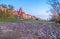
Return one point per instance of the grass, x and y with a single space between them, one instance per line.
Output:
17 20
9 20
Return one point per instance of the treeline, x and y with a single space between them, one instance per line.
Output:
6 11
7 6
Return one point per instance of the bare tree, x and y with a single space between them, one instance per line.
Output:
55 10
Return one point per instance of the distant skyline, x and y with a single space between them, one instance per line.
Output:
36 8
